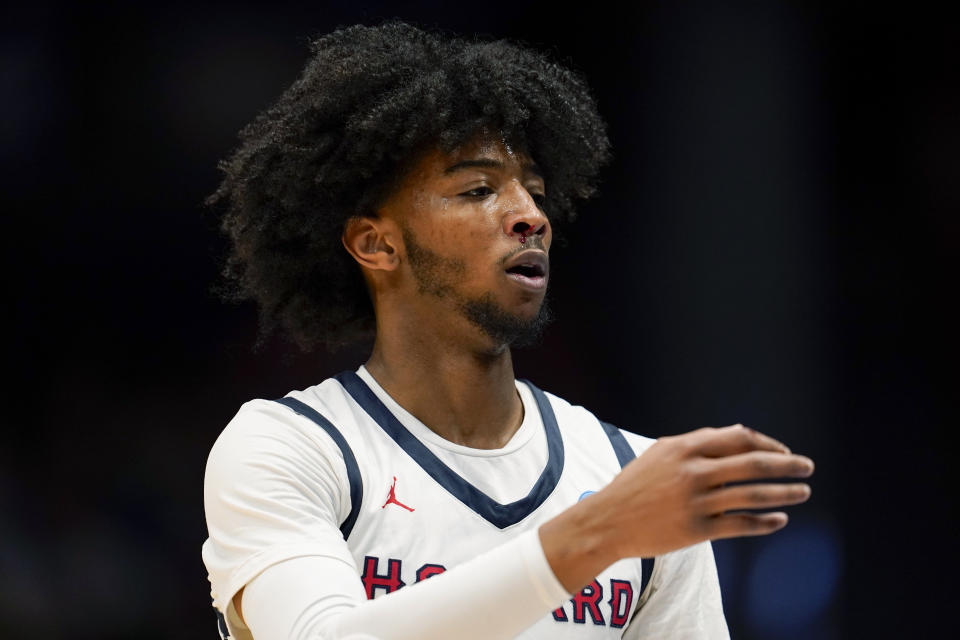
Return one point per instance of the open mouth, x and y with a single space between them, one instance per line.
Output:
529 269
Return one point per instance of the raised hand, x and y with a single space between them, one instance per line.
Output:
678 493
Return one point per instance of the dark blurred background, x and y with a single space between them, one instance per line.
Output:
775 244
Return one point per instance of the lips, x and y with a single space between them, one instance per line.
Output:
529 269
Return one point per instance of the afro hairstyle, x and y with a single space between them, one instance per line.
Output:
369 100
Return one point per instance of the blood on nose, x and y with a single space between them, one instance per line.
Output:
525 230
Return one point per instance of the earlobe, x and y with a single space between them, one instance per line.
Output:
370 241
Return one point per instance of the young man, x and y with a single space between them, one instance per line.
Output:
406 188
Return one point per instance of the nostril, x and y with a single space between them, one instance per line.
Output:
521 227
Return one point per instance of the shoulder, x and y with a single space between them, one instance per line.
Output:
276 486
267 435
573 414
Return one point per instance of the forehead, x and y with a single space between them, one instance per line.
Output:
481 151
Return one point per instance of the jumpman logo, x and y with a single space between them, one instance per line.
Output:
392 498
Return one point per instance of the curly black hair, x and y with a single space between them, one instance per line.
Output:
334 144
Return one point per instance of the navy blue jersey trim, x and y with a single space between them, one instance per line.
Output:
353 469
500 515
620 445
222 627
625 454
646 570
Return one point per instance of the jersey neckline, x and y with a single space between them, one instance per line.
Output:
528 427
500 515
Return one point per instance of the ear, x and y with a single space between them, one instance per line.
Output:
369 239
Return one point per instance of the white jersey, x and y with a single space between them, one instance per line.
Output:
356 477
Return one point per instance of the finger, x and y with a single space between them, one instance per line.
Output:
728 441
757 465
753 496
734 525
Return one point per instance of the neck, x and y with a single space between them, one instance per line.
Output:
465 396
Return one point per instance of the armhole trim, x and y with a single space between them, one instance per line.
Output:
646 572
625 454
222 627
353 469
620 445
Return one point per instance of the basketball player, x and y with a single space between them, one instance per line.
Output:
406 189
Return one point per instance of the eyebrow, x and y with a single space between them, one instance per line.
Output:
488 163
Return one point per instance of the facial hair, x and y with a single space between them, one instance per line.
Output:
438 276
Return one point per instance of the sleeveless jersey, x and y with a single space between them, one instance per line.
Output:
410 507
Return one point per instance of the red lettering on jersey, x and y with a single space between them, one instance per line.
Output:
392 498
428 570
588 598
621 602
389 582
560 615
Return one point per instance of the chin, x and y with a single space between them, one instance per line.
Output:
507 329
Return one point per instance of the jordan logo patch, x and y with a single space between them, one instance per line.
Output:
392 498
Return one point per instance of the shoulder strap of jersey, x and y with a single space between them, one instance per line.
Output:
620 445
625 454
353 469
353 477
222 627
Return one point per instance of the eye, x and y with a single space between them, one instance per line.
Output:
478 193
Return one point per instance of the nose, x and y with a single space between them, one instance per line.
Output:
525 219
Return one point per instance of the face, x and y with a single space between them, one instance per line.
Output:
475 238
